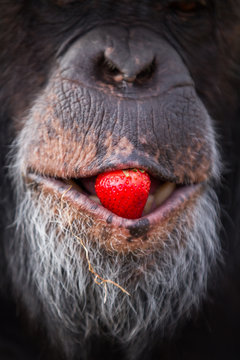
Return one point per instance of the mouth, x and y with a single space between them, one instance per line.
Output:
159 192
166 202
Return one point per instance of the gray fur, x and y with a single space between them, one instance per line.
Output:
47 259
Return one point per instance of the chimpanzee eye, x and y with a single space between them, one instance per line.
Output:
187 7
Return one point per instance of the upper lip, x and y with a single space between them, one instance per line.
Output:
156 171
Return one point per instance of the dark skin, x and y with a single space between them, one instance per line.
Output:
150 60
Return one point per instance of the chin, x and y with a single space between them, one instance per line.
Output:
110 276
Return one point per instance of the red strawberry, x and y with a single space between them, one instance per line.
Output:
124 192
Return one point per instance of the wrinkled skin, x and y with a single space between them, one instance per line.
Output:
92 86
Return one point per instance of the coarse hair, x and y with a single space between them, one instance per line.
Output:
51 274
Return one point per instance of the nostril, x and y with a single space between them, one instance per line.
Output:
115 73
110 67
146 73
109 70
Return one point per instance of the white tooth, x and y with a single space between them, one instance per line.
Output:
148 204
164 192
95 198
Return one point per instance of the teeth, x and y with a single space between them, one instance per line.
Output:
94 198
148 205
163 192
155 200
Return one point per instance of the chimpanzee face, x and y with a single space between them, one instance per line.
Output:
115 85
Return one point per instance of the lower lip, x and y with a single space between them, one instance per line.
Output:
176 201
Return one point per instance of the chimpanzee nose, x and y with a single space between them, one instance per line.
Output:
127 63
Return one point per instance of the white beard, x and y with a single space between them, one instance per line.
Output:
51 274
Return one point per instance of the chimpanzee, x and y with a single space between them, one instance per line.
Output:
95 86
